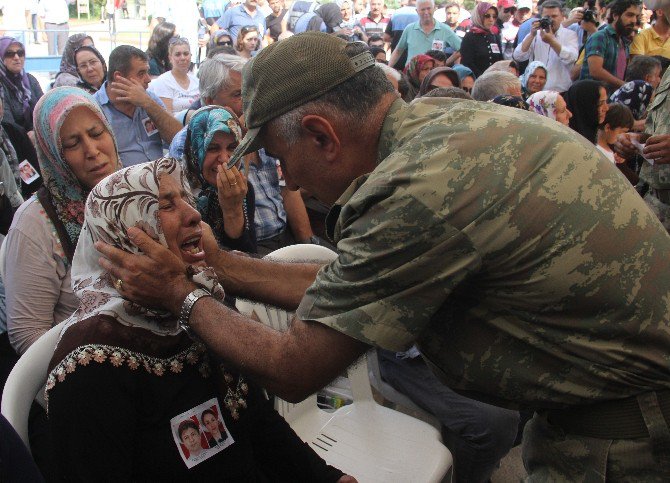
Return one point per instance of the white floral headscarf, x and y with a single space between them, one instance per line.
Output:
543 103
122 200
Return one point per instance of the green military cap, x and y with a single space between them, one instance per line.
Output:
289 73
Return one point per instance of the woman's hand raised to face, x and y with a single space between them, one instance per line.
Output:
232 187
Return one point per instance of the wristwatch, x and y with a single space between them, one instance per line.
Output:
187 308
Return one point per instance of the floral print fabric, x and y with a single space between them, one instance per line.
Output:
543 103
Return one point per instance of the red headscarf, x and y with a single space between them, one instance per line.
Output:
415 66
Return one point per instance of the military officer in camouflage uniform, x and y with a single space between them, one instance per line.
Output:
527 270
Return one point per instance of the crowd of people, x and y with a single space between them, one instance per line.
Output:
495 184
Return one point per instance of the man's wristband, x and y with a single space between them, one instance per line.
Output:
187 308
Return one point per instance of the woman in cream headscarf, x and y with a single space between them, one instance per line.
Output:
127 377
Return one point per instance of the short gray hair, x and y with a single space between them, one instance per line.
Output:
492 84
214 74
351 102
641 66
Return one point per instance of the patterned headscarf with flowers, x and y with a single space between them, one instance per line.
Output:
543 103
66 193
125 199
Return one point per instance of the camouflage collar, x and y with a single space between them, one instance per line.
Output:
387 144
332 227
387 138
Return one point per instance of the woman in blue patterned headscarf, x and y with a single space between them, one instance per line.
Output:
224 198
76 149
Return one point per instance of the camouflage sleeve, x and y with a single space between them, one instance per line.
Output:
397 265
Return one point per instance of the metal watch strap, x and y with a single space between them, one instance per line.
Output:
187 307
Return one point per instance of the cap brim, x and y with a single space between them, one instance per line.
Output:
249 144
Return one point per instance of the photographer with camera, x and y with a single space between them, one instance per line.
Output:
552 44
585 20
606 52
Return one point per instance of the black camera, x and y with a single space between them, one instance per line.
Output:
590 16
545 23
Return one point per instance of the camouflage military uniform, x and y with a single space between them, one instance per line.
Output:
528 270
658 176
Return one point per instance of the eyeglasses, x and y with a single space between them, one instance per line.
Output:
509 10
11 53
91 63
467 89
225 42
490 15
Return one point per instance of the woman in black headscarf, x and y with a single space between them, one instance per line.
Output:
67 76
91 68
587 101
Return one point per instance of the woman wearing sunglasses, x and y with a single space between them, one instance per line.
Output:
21 91
220 38
248 41
481 46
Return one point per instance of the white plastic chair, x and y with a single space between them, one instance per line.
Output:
366 440
26 381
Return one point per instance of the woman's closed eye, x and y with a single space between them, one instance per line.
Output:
73 141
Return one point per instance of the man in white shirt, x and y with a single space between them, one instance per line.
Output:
14 18
56 16
556 47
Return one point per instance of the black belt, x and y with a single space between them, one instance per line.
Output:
618 419
662 195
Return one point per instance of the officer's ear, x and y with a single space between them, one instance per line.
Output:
320 134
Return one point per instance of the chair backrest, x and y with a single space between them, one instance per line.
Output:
280 319
28 376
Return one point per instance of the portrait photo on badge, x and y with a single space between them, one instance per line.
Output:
200 433
27 172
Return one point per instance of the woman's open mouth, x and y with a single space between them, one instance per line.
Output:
191 249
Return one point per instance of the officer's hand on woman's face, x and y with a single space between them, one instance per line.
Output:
154 278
